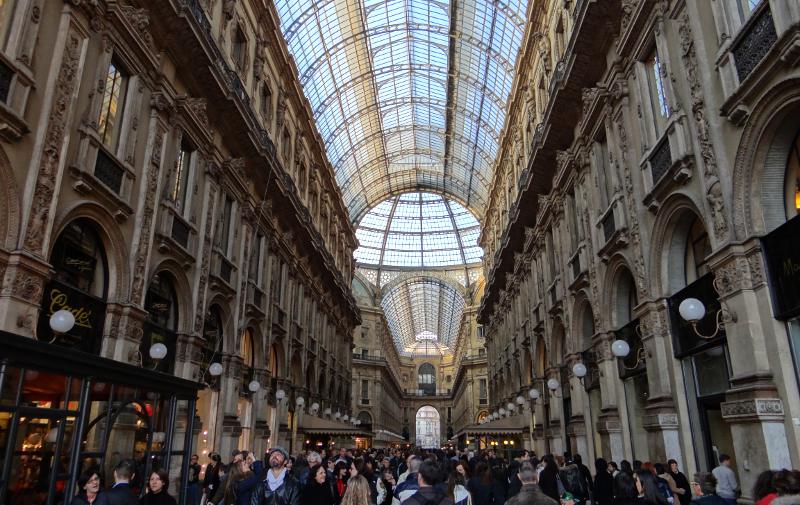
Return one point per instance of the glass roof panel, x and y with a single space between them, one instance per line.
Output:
423 310
418 230
378 76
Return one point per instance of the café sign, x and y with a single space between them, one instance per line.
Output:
89 314
782 253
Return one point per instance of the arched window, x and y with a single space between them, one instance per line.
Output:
79 284
698 247
625 298
366 420
426 379
792 180
161 304
587 327
428 428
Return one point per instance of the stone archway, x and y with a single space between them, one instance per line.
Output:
429 430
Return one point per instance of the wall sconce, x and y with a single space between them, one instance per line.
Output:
62 321
314 409
553 385
520 401
254 386
280 395
338 415
502 412
345 418
534 394
621 349
511 408
693 311
300 402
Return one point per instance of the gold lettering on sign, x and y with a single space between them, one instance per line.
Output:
82 265
59 301
790 267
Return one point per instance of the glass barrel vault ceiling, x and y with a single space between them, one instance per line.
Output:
418 230
424 316
407 94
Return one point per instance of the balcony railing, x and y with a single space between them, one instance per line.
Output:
108 171
660 160
422 392
755 43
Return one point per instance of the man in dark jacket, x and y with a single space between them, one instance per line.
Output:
278 488
122 493
530 494
428 477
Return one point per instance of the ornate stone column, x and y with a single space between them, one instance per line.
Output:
753 407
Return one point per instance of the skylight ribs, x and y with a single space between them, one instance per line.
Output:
379 70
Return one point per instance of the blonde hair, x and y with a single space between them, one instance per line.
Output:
358 492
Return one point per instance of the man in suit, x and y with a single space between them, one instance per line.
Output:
122 493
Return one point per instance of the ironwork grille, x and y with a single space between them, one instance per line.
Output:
180 232
660 160
225 270
609 226
755 44
6 75
108 171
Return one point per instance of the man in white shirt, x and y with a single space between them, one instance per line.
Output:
727 487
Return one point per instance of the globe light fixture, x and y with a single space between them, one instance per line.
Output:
215 369
300 401
510 407
534 394
338 415
254 386
62 321
345 418
502 412
327 411
520 400
280 395
552 384
158 351
620 348
692 310
579 369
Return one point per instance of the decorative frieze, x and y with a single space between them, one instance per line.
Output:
762 409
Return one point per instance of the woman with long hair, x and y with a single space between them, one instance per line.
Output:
228 493
89 485
548 478
481 485
340 477
358 492
625 491
457 485
650 493
157 489
318 491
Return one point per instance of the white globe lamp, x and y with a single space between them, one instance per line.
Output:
62 321
158 351
215 369
534 394
692 310
620 348
254 386
579 369
552 384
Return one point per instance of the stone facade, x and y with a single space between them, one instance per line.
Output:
176 132
644 154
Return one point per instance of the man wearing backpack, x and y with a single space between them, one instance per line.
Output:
429 476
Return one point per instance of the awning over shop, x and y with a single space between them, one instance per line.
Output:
506 426
388 436
319 426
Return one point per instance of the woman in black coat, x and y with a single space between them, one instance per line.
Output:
603 483
548 479
318 490
481 486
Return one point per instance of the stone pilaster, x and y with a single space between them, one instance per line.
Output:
609 429
661 424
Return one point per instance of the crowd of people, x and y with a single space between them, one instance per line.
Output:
436 477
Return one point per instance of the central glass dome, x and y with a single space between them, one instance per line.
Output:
418 230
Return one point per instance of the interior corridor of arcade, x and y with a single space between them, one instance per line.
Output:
564 227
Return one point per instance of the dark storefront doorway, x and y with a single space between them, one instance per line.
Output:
63 412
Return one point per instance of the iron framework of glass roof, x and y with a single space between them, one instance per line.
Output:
424 316
419 230
407 94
